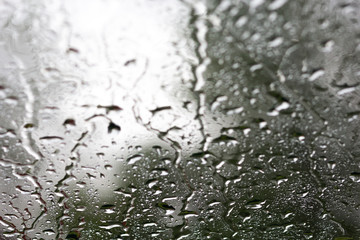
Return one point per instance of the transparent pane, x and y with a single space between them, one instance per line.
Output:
192 119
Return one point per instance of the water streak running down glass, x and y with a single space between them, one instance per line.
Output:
180 119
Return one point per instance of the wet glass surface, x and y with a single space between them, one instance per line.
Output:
204 119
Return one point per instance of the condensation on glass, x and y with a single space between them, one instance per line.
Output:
204 119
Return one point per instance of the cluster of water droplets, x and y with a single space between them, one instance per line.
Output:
179 119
